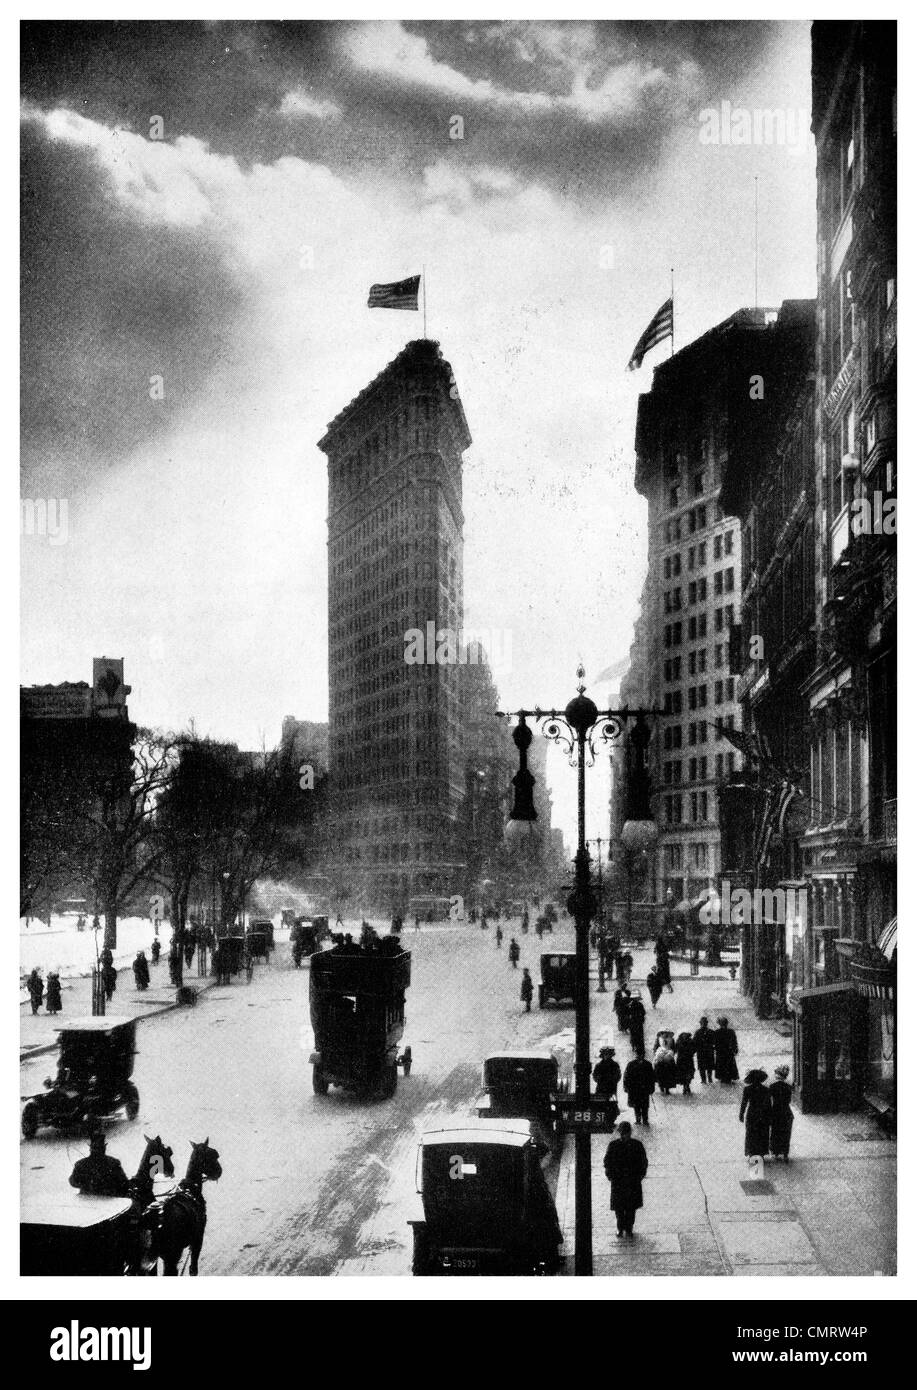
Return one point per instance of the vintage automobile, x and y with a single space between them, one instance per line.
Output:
71 1234
558 977
94 1067
524 1085
356 1004
486 1205
306 937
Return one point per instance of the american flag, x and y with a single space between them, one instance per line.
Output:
400 295
661 325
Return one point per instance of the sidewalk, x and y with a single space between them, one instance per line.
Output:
37 1033
831 1210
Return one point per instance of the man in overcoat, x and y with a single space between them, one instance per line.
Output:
625 1169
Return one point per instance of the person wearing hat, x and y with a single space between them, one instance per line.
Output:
755 1111
704 1052
526 990
781 1093
625 1169
99 1175
606 1073
725 1051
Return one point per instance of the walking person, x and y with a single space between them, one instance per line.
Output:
499 935
36 987
639 1085
514 952
606 1073
625 1169
621 1005
141 970
704 1051
725 1051
663 965
755 1112
526 990
109 981
654 984
781 1093
54 1004
684 1062
664 1063
637 1018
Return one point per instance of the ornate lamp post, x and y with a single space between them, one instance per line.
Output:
582 729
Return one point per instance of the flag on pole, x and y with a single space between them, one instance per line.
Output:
661 326
400 295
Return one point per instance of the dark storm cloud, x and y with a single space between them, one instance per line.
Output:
107 303
225 83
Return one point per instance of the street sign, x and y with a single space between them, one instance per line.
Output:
598 1116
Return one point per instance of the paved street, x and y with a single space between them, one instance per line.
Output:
324 1185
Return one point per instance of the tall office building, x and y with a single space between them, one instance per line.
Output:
717 398
395 546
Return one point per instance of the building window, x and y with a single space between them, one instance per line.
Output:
727 543
702 553
698 484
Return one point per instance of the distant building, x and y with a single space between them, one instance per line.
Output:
395 553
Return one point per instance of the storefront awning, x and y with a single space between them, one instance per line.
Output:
888 940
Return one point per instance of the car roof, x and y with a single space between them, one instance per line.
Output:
78 1211
107 1024
530 1054
567 955
512 1134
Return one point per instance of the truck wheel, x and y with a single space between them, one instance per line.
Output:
319 1084
541 996
30 1120
132 1102
420 1263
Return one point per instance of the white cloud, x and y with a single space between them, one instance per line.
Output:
299 103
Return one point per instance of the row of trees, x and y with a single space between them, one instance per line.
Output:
117 815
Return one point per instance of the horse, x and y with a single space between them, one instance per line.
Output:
181 1215
156 1162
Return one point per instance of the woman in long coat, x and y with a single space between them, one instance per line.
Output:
704 1050
636 1018
755 1111
53 993
36 987
725 1051
654 984
684 1062
664 1063
781 1093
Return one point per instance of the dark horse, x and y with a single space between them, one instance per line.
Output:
156 1162
180 1216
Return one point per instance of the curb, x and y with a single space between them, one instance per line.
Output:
158 1009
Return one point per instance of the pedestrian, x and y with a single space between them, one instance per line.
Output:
525 920
755 1111
781 1093
514 952
637 1018
526 990
639 1085
109 981
654 984
483 920
725 1051
54 1004
664 1063
663 964
105 956
621 1005
627 962
606 1073
155 950
499 935
704 1050
684 1062
625 1169
36 987
141 970
189 948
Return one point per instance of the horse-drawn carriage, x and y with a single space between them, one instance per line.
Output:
93 1081
306 937
260 940
77 1235
231 956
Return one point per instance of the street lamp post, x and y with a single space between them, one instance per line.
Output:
581 728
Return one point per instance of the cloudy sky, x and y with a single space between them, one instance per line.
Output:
298 164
